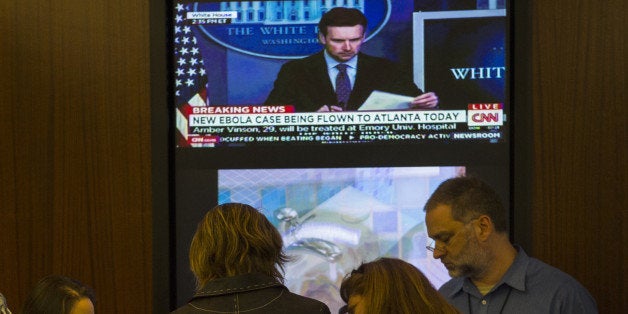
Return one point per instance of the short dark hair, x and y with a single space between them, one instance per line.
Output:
236 239
56 294
340 16
469 198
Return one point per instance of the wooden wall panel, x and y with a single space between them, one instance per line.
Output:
580 144
75 160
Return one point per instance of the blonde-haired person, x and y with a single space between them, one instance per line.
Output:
390 285
237 258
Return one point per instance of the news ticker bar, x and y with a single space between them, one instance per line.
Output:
282 116
327 118
343 127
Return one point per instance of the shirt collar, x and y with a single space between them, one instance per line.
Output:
515 276
331 62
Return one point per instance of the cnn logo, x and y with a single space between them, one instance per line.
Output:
485 117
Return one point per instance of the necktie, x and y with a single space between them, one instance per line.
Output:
343 85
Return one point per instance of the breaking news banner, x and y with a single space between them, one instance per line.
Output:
213 126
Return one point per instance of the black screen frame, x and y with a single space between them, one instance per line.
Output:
164 160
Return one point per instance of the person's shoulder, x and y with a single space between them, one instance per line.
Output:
366 58
379 66
309 60
549 280
303 299
308 305
547 277
547 273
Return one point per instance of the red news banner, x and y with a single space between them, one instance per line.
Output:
255 125
239 109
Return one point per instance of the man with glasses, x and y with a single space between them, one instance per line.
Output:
467 221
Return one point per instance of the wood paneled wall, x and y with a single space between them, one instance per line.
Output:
75 161
579 210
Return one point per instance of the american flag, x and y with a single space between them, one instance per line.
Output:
189 71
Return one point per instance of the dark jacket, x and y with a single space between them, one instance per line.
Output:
305 83
250 294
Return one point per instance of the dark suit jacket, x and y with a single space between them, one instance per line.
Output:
305 83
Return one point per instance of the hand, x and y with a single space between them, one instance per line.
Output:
425 101
327 108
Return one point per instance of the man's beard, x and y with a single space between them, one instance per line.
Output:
472 261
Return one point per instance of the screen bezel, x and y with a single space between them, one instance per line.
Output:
163 158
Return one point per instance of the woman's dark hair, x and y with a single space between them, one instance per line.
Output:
56 294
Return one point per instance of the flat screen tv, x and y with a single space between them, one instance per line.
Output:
230 145
226 57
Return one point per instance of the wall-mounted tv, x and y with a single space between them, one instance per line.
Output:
230 144
227 57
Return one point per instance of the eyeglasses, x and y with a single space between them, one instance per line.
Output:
432 247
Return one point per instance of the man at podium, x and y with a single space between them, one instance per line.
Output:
340 77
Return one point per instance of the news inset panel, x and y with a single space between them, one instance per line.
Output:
227 55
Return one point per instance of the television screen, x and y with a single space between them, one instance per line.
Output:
233 85
330 219
234 142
